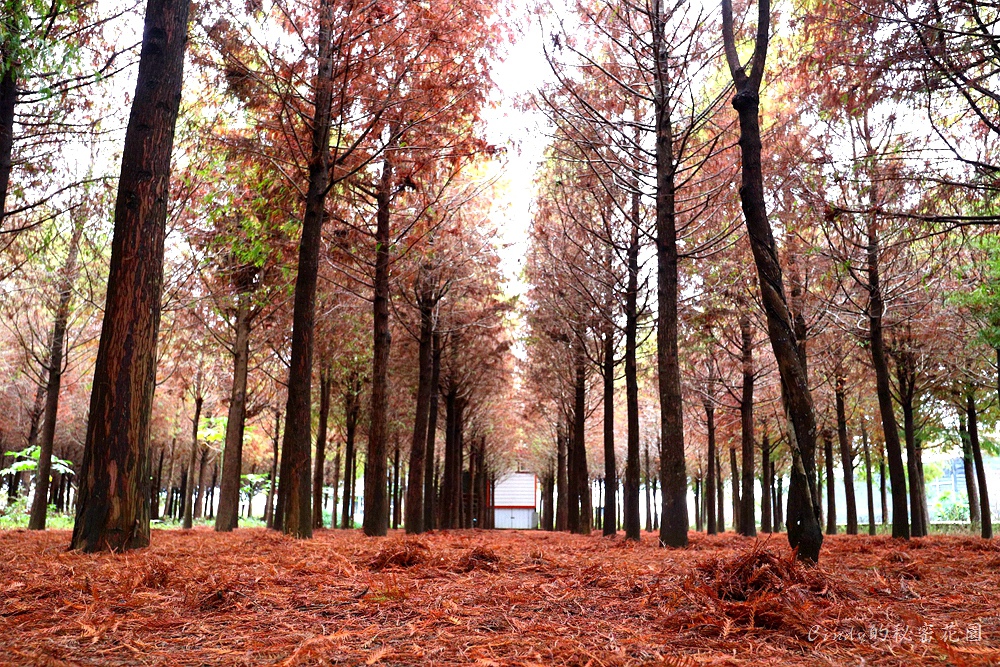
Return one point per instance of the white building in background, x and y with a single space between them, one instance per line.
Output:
515 501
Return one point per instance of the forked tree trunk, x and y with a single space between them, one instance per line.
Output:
294 515
232 455
804 531
112 508
39 507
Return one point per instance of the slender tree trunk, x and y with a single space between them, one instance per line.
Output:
868 477
649 495
415 489
112 508
734 474
720 504
182 493
711 480
882 485
779 520
200 488
831 489
336 486
631 495
430 493
8 100
448 511
804 531
232 455
969 467
350 473
193 457
269 513
562 481
154 510
319 469
748 522
582 476
890 431
294 515
54 365
977 455
169 510
211 491
767 470
376 504
548 501
846 457
610 467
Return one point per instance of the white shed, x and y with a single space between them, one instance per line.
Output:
514 504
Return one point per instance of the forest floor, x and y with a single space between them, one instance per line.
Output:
254 597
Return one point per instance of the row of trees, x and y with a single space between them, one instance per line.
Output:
865 218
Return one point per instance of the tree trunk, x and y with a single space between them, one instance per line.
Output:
396 514
868 476
193 457
581 476
673 476
319 469
890 431
631 492
448 511
351 415
748 522
562 481
767 471
882 488
415 490
200 489
803 524
720 504
610 467
154 510
336 486
376 518
294 515
269 512
831 489
54 365
548 500
210 510
846 457
969 467
430 493
649 496
8 100
112 512
232 455
710 478
734 474
977 455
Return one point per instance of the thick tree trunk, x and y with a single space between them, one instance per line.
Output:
319 469
294 515
869 481
415 490
804 531
188 496
969 467
54 364
748 522
711 480
767 471
430 493
846 457
112 508
673 476
986 520
610 465
548 501
232 455
376 516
